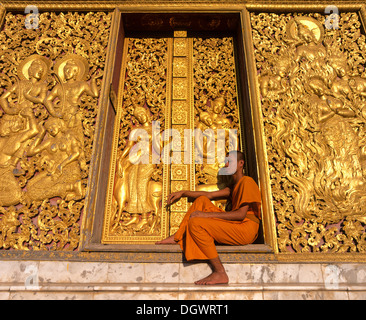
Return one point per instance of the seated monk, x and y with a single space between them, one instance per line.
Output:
204 224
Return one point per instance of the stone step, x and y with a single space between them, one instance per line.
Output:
175 291
154 281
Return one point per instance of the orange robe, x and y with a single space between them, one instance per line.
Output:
197 236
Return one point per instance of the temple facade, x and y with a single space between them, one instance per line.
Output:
106 107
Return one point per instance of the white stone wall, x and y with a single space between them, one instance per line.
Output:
104 280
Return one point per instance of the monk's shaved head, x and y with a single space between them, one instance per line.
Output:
239 154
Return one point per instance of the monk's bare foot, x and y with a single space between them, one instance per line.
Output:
169 240
214 278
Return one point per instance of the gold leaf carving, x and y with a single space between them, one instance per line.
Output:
180 88
136 206
312 85
179 112
179 172
215 99
180 47
180 67
50 86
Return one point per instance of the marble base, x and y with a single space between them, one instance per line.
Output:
138 281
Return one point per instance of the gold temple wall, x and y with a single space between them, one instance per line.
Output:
43 190
307 96
145 82
311 81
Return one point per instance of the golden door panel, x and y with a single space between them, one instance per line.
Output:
313 95
168 80
50 83
216 107
134 211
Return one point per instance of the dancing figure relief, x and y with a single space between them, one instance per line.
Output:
30 88
71 72
15 134
58 140
207 146
60 154
46 146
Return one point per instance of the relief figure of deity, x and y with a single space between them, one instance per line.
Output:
71 71
203 142
15 134
135 192
60 154
18 125
60 140
31 89
206 144
213 121
341 155
322 91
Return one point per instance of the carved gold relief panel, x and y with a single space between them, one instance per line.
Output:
50 83
134 211
169 81
216 104
312 82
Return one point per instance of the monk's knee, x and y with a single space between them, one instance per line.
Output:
197 228
202 199
194 224
200 203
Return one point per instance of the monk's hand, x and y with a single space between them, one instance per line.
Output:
197 214
174 197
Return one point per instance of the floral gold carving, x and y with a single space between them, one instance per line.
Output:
180 67
179 112
134 204
50 83
215 100
179 172
180 89
180 47
312 86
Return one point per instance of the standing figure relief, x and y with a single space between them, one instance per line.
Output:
138 197
207 146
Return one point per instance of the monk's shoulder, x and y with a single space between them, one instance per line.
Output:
247 180
249 183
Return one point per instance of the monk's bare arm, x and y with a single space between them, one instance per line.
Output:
220 194
237 215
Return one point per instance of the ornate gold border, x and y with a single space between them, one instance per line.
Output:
257 120
137 255
363 16
169 255
168 124
87 226
179 5
2 14
192 167
112 163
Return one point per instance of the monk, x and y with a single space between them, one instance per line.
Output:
204 224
